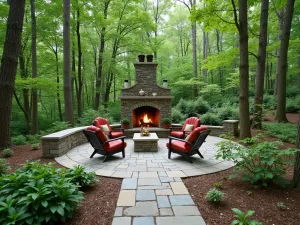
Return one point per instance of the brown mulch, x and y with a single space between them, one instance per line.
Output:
291 117
100 201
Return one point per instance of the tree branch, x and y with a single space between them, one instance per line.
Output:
185 4
235 15
225 21
251 53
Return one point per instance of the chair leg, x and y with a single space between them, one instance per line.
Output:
92 155
123 153
169 154
200 154
187 158
105 158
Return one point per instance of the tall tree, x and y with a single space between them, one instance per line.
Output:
284 47
190 5
69 114
8 68
296 178
34 129
261 61
241 23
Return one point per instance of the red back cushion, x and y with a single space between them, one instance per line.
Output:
193 121
99 133
101 121
194 135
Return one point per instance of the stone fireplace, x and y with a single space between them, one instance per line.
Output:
148 109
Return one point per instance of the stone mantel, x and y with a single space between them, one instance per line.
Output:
145 97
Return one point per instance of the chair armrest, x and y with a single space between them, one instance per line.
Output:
115 139
121 129
178 139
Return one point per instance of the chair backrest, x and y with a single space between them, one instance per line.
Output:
101 121
99 133
201 138
193 121
93 139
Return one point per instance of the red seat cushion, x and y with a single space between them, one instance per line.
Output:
179 146
101 121
116 134
195 134
178 134
114 145
99 133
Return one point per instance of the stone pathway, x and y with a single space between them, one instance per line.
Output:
156 198
152 191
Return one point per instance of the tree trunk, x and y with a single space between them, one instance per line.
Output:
8 68
69 114
34 69
100 59
261 65
298 83
194 46
58 88
284 46
80 84
296 178
26 106
244 70
204 53
219 49
280 16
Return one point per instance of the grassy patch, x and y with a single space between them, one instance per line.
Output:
284 131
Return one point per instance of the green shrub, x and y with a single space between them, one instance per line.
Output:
259 164
218 185
211 93
283 131
125 121
35 146
19 140
214 195
7 152
4 167
176 116
191 109
37 194
293 105
211 119
80 177
166 121
32 139
228 112
182 106
88 117
242 218
269 102
201 106
57 126
292 92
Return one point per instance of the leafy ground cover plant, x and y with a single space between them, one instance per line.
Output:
19 140
214 195
283 131
4 167
80 177
259 163
242 218
35 146
38 194
7 152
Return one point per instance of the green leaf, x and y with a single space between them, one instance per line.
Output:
53 209
60 210
44 203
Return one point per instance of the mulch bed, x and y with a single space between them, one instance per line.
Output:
100 201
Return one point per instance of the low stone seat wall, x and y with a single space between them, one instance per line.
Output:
61 142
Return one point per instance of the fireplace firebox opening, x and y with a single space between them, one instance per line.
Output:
145 115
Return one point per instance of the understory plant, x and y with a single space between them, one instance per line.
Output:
7 152
259 163
242 218
4 167
80 177
283 131
38 194
214 196
35 146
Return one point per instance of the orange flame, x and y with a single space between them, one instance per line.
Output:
146 120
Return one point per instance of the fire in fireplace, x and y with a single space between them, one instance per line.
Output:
146 116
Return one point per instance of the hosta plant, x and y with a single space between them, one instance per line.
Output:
4 167
242 218
214 195
37 194
80 177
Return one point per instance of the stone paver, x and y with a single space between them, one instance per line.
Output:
129 183
122 221
181 200
147 182
145 195
148 175
143 221
119 211
164 192
186 211
176 174
178 188
166 212
163 202
180 220
142 209
126 198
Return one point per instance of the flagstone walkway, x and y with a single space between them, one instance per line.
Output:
152 192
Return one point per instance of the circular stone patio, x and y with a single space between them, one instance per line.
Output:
134 162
